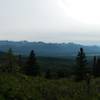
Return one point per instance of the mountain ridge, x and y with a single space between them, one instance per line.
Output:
48 49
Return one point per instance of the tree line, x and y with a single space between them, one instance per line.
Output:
82 69
11 63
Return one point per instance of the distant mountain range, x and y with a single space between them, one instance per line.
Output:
47 49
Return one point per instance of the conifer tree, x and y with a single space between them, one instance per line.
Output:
48 74
31 66
20 60
20 63
81 65
97 68
10 59
94 65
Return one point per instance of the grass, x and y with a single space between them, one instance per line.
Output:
21 87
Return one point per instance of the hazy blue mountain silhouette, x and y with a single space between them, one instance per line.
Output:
47 49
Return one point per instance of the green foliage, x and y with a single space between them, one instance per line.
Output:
19 87
81 68
9 63
56 84
22 87
96 67
31 66
48 74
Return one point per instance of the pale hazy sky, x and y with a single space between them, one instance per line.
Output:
50 20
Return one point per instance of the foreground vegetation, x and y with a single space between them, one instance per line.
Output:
22 87
30 78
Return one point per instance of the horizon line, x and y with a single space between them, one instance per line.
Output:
86 43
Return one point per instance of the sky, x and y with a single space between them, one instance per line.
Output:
50 20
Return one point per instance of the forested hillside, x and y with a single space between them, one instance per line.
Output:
48 78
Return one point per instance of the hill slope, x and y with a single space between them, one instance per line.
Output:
47 49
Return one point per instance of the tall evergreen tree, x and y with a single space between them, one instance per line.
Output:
31 66
48 74
81 68
20 63
20 60
10 64
10 61
97 68
94 65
